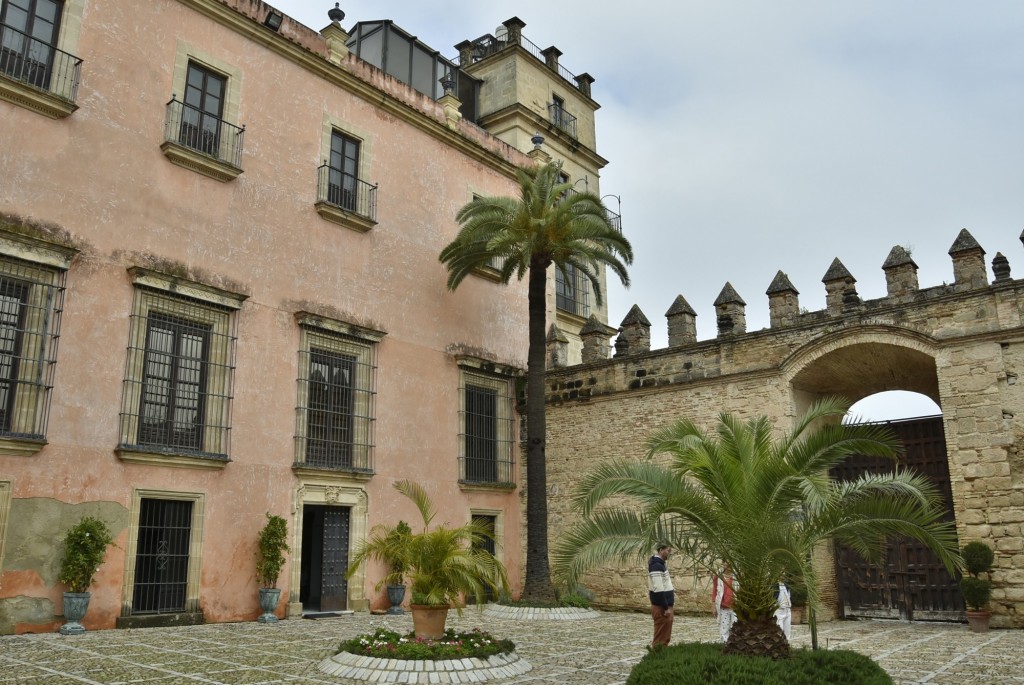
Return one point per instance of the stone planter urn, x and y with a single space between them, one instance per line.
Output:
428 621
396 594
269 597
75 606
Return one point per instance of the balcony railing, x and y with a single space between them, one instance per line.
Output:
614 219
31 61
488 45
197 130
558 116
346 191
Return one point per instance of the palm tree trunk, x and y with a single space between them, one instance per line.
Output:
538 573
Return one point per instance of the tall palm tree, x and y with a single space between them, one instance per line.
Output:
547 224
760 504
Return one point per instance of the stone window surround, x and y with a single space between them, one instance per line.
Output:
336 491
49 258
150 283
342 217
195 550
5 512
338 336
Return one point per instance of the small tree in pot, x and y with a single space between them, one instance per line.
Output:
85 546
978 558
273 543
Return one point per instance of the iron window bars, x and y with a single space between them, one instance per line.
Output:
572 291
346 191
336 393
31 305
486 439
38 64
162 556
179 376
203 132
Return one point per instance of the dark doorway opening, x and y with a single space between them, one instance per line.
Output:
325 542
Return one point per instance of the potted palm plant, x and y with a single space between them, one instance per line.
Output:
978 558
85 546
272 544
441 563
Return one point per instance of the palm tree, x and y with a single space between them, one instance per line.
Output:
760 504
547 224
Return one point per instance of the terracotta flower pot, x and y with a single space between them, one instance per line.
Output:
428 621
978 620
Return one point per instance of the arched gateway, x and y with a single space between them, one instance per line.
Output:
962 345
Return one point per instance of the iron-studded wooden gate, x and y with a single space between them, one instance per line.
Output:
911 583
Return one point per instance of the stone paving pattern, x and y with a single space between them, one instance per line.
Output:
600 651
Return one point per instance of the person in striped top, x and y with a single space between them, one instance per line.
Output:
662 594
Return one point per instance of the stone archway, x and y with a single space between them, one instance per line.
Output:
909 583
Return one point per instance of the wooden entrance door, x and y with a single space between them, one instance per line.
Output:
910 583
325 542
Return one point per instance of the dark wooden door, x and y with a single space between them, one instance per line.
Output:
333 585
910 584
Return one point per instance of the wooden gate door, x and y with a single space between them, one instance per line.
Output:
911 583
333 585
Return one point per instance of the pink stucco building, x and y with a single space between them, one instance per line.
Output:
220 296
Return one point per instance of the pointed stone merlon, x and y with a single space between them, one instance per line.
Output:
968 262
596 336
557 347
839 287
682 323
783 301
635 331
900 272
1001 267
731 311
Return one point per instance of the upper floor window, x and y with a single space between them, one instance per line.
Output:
337 378
199 130
29 55
176 402
31 305
340 186
560 117
572 291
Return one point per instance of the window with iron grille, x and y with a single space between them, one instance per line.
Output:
337 376
31 305
572 291
486 421
179 373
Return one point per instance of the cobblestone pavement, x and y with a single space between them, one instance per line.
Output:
591 652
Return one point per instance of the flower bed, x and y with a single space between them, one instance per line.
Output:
384 643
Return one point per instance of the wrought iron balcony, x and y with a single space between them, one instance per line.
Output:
558 116
197 130
37 64
346 192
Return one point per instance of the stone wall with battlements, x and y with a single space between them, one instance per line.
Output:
960 344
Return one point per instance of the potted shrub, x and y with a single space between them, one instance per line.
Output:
85 546
272 544
396 567
798 600
978 558
441 563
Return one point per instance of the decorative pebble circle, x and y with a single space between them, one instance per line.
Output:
537 613
368 668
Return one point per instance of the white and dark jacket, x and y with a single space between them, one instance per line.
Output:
659 584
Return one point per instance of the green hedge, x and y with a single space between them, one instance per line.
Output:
704 664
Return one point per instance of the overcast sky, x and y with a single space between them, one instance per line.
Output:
749 137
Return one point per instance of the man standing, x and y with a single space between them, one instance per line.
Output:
724 593
663 595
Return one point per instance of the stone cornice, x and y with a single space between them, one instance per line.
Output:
39 101
537 121
338 76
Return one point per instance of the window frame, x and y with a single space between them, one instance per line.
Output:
499 379
320 335
161 296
